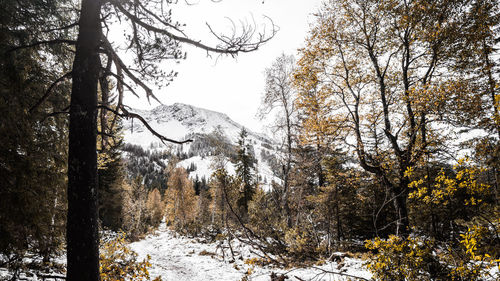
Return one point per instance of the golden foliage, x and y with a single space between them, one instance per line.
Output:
302 243
472 265
400 259
155 207
477 250
119 263
134 208
181 206
223 191
415 258
445 188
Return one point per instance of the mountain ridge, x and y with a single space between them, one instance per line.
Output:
180 122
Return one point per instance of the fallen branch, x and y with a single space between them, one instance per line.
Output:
340 273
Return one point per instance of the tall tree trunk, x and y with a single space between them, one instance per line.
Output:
82 229
288 167
400 194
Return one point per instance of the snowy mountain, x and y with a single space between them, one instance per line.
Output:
181 122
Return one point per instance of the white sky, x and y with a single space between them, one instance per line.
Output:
224 84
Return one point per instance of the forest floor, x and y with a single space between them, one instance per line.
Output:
178 258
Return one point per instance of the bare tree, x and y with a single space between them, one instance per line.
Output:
279 96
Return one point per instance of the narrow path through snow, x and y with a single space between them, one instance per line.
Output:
177 258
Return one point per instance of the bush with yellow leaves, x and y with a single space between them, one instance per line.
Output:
472 261
400 259
119 263
469 253
303 243
415 258
464 187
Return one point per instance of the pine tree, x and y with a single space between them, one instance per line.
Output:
245 172
111 172
33 135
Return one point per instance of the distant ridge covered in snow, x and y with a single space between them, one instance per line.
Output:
180 122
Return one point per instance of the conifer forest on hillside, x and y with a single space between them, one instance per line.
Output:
380 158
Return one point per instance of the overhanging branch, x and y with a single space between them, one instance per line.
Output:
127 114
49 91
45 42
121 65
232 47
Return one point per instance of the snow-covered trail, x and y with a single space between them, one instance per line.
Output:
176 258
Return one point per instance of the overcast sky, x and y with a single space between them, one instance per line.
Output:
232 85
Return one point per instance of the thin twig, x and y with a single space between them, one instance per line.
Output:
339 273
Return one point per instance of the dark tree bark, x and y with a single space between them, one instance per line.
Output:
82 220
82 228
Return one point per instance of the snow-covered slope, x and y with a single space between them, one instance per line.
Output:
182 121
179 120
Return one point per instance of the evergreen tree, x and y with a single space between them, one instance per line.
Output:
33 134
155 37
111 177
245 172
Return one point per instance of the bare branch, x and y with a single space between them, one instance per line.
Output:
62 27
160 20
120 80
45 42
339 273
55 113
49 91
232 47
121 64
127 114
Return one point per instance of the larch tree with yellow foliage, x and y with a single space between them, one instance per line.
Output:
378 78
181 199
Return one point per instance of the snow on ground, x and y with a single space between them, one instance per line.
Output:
203 166
177 258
